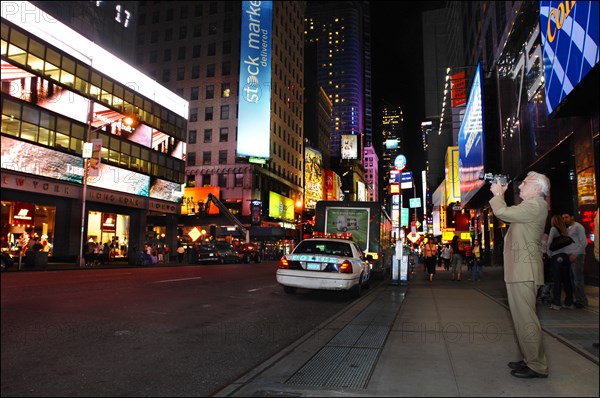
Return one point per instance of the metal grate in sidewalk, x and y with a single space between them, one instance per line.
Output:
349 357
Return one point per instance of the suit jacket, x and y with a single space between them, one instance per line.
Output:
523 242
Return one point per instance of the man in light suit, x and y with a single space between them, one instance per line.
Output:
523 268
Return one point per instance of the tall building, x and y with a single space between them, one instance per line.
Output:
317 108
109 24
341 31
392 121
60 91
371 164
194 48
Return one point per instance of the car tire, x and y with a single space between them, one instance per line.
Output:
2 265
289 289
257 258
246 258
221 260
356 290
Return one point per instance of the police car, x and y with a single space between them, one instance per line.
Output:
330 263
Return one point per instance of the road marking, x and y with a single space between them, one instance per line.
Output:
260 288
178 280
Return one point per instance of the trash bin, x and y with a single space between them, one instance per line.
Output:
41 260
29 259
36 259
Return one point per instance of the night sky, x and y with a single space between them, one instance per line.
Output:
397 69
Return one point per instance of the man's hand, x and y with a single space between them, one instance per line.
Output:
498 189
573 258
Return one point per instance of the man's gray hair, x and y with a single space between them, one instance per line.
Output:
542 181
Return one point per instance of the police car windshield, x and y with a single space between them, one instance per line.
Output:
324 247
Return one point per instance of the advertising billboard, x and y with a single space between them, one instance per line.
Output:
391 143
54 32
37 160
254 108
21 84
471 142
281 207
349 147
570 42
194 195
313 177
354 220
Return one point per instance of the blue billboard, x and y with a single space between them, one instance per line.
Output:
254 113
570 44
471 153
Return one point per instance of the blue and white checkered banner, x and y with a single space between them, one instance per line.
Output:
570 42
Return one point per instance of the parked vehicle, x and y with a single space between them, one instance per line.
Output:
249 252
219 253
366 223
327 264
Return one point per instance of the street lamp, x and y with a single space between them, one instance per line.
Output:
92 150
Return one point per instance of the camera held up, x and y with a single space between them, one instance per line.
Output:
493 178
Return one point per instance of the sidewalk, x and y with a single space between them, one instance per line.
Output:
444 338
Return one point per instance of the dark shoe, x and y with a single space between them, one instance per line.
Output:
577 305
517 365
527 374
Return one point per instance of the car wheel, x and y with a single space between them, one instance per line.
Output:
258 258
289 289
2 265
221 260
247 258
367 283
356 290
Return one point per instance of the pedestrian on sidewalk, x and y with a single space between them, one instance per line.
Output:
446 255
430 252
577 258
477 267
560 266
468 251
457 260
180 252
523 267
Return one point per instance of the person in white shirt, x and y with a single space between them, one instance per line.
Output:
577 257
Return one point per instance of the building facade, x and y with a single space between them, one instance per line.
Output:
59 91
194 49
341 32
528 121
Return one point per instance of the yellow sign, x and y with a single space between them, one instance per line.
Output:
447 236
465 236
281 207
452 176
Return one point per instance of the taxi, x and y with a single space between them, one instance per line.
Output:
329 263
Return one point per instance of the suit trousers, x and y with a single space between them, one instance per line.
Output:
522 301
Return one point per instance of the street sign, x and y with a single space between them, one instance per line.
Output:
88 148
414 203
